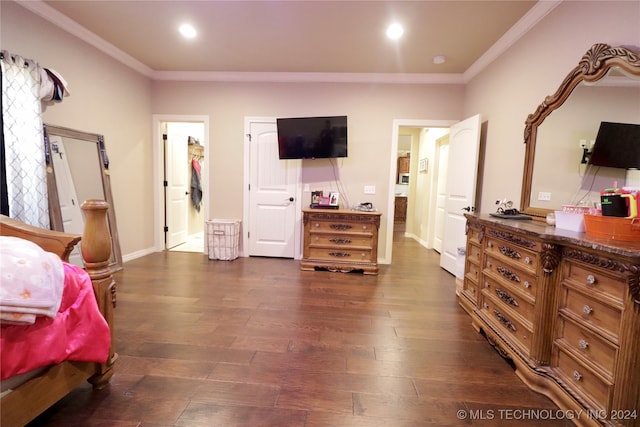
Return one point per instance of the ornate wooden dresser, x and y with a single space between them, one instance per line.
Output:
565 308
340 240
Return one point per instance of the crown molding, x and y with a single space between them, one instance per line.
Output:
283 77
531 18
45 11
519 29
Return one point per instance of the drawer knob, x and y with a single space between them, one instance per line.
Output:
488 264
316 225
583 344
577 376
490 244
527 260
587 309
591 279
485 306
526 284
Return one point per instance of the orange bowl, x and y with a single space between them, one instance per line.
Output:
611 227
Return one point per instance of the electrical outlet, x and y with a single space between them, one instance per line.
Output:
369 189
306 188
544 195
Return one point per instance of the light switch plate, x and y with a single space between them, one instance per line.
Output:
369 189
544 195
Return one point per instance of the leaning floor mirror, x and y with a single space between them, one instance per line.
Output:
78 170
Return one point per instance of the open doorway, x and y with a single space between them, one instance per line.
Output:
180 161
423 172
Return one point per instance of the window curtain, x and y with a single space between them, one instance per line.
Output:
22 141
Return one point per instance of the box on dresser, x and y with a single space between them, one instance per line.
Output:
565 308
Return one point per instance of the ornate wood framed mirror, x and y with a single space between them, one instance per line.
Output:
78 170
553 152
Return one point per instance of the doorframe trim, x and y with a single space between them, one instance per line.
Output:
297 232
395 130
158 167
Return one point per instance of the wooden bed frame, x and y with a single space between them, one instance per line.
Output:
33 397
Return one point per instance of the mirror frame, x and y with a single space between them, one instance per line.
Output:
593 66
54 202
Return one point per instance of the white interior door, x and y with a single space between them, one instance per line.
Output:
72 219
177 190
462 171
272 196
442 152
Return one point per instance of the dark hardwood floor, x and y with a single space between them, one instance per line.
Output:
257 342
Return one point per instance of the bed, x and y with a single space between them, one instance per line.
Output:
40 388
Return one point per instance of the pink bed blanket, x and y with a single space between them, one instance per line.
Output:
78 332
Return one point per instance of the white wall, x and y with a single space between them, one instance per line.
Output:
515 84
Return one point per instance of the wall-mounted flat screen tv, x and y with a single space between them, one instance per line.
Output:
617 146
312 137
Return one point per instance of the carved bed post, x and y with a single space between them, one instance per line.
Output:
96 252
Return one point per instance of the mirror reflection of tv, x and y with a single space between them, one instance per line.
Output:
312 137
617 146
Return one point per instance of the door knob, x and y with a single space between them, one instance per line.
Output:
291 199
469 209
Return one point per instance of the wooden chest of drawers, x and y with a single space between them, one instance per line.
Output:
565 308
340 240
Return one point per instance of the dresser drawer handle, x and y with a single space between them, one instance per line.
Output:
591 279
340 254
587 309
485 306
503 319
577 376
583 344
316 225
488 264
341 226
504 296
526 284
490 244
339 241
527 260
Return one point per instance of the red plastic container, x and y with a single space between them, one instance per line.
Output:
614 228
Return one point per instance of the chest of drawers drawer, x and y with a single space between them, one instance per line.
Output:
594 281
513 254
341 254
593 387
503 292
341 240
590 345
596 315
347 225
503 319
521 279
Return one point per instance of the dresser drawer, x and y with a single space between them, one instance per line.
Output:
343 254
473 235
507 297
520 279
470 289
474 253
507 322
580 378
588 344
594 281
590 311
338 226
527 259
320 238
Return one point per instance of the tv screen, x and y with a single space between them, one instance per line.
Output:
312 137
617 146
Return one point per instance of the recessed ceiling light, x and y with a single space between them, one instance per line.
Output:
188 31
439 59
395 31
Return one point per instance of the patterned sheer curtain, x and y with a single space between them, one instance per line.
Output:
24 157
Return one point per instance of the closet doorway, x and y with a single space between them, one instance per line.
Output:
181 169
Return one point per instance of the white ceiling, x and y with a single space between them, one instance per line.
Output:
298 37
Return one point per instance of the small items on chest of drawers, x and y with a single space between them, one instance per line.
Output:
340 240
